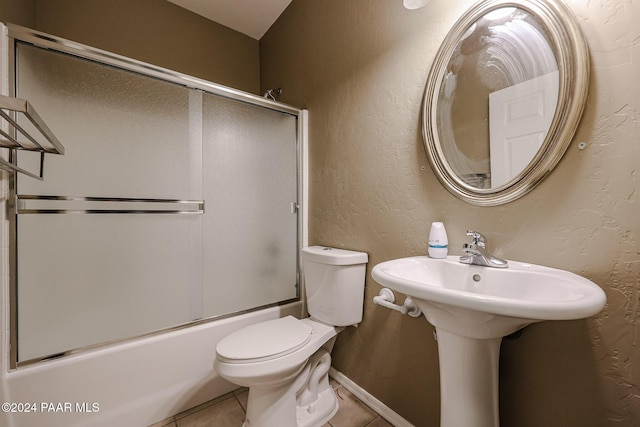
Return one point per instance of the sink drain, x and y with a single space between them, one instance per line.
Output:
476 278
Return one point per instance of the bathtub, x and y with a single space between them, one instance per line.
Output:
135 383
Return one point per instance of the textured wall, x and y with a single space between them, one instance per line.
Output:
153 31
18 12
360 67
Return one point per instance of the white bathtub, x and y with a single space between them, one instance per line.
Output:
135 383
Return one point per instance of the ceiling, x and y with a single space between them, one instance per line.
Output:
250 17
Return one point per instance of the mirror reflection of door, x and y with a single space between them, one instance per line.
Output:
519 118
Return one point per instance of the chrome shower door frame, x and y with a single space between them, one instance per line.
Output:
15 34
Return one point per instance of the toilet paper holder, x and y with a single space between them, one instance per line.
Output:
386 298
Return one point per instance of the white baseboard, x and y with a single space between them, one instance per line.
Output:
382 409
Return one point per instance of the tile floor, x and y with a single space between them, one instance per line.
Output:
229 410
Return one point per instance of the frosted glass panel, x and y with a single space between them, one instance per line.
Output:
125 134
87 279
249 227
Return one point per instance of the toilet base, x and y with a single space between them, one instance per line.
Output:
319 412
308 400
278 411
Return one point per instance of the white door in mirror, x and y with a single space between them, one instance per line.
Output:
519 118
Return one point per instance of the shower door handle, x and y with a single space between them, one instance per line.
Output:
36 204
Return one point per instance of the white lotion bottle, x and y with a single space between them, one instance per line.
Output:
438 241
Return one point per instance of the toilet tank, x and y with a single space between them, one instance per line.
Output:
334 284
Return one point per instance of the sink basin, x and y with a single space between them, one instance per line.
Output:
525 291
472 308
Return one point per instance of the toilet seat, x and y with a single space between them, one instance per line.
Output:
264 341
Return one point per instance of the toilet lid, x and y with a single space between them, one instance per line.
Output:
265 340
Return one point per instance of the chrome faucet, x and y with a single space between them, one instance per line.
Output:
478 254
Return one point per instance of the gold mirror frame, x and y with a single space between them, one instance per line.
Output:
572 56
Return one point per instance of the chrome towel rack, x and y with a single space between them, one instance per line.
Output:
10 109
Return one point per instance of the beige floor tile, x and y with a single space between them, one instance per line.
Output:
352 412
205 405
169 422
379 422
227 413
242 395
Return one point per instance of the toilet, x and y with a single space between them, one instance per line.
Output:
285 362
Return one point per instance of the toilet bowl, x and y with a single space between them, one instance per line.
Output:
278 376
285 362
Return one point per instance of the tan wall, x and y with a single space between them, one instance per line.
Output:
360 68
153 31
18 12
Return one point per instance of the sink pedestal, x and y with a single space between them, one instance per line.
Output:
469 354
468 380
472 308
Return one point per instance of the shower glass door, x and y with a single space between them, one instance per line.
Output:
249 227
171 205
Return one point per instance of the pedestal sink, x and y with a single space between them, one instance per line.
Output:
472 308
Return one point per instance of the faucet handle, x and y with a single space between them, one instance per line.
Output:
477 238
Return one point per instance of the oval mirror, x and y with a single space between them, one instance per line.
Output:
504 98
